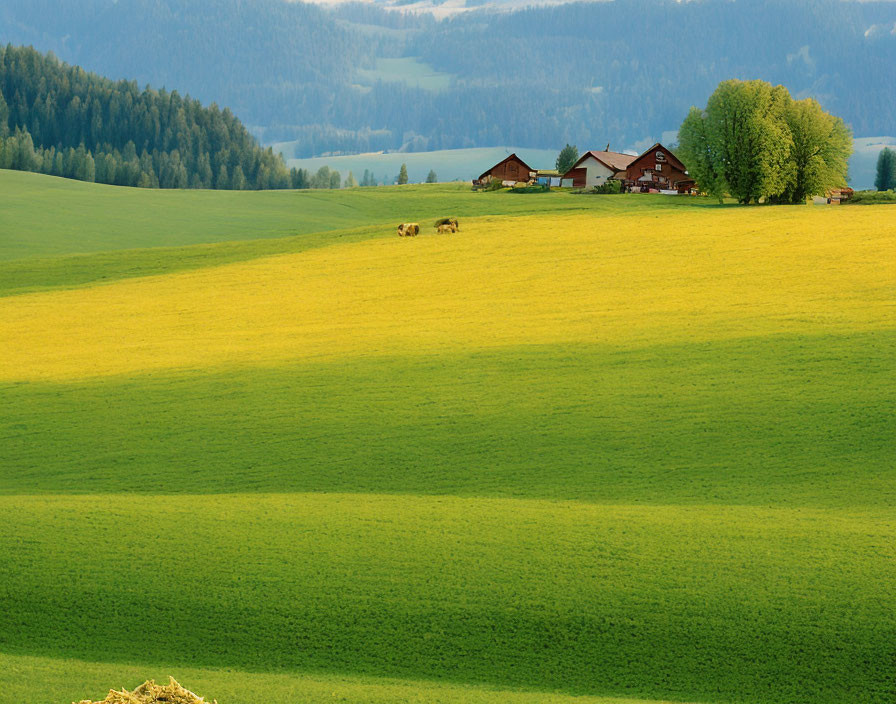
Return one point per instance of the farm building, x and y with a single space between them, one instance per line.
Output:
594 168
656 169
509 170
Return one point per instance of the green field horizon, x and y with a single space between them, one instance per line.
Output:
595 449
467 164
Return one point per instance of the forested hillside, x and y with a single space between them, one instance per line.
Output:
587 73
61 120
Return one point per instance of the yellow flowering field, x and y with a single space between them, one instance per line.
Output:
620 280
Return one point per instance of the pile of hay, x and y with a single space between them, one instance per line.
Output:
149 693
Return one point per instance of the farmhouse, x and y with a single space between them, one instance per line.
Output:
656 169
594 168
510 170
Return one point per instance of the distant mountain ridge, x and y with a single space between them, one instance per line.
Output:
585 73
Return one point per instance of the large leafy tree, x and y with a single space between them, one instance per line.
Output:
886 170
754 141
751 142
698 152
819 157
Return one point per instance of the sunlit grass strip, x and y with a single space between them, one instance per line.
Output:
633 280
38 680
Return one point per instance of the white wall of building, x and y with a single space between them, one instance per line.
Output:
595 172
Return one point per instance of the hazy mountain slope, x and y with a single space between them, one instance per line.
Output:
236 53
588 73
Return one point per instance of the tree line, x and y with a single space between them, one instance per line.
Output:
61 120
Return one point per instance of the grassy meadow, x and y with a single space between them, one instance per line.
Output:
601 450
407 70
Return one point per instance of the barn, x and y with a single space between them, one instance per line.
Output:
509 170
594 168
657 169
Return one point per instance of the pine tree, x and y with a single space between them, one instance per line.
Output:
350 181
335 179
403 175
431 177
299 179
322 178
25 158
4 117
263 177
6 150
238 182
49 158
59 165
886 170
204 173
567 158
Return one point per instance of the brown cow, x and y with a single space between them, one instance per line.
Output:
448 221
408 229
447 227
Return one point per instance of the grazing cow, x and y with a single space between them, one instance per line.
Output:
448 221
408 229
447 227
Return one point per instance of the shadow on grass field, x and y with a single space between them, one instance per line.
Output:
799 421
689 603
609 447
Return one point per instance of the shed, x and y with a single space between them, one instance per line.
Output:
511 168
